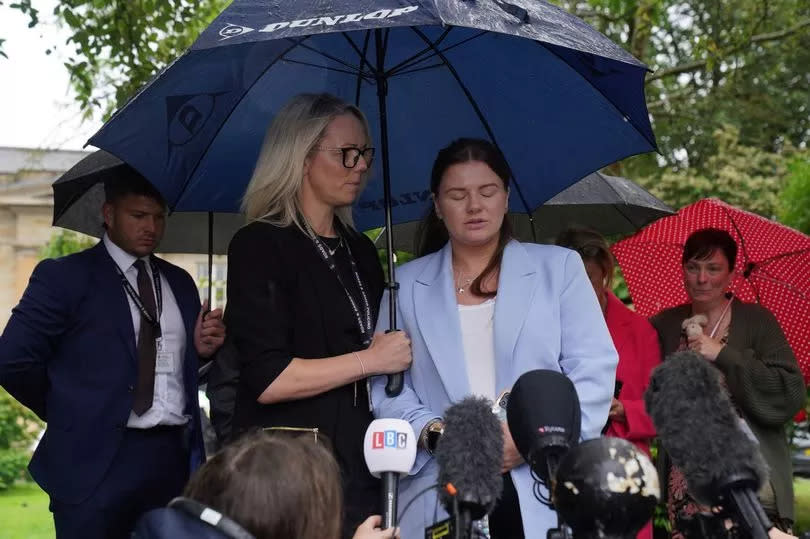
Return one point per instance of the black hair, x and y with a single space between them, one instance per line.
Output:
129 182
703 243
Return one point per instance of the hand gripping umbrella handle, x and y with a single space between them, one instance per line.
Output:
395 381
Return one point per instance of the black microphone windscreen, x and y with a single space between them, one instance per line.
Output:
470 454
698 428
544 417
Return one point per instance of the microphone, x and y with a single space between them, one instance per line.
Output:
469 455
698 428
389 448
606 488
544 418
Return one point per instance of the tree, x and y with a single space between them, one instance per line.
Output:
794 200
119 45
744 176
735 62
18 430
65 242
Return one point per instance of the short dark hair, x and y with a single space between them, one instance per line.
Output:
702 244
127 181
273 485
591 246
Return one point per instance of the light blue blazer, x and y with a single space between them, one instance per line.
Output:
546 317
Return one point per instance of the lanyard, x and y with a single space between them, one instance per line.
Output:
136 298
363 320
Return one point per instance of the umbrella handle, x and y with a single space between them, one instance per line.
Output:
394 385
395 381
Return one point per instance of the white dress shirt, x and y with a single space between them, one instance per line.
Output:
169 399
478 337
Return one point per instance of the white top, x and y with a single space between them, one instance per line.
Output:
169 397
478 337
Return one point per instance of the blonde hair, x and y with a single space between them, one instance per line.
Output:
272 194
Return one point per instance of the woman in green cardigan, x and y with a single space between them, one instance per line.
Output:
745 342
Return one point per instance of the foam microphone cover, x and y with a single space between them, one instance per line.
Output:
544 417
698 428
470 454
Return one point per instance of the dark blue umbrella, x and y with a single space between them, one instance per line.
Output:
559 98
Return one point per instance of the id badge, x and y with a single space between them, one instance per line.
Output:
164 362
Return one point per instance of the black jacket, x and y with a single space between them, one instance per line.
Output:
285 302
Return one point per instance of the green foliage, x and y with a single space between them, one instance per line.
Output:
744 176
18 429
65 242
794 200
119 45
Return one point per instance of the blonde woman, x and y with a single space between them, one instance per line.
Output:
303 290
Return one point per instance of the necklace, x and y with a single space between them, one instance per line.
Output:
333 251
462 284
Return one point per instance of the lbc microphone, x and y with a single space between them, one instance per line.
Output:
469 455
698 428
544 418
390 451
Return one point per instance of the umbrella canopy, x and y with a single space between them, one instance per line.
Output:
79 194
557 97
773 266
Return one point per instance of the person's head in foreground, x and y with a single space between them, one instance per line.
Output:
277 486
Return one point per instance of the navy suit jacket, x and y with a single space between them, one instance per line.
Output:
68 353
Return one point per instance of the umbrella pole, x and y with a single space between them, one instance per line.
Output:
210 256
394 385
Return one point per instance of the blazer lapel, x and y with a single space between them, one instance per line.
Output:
437 316
516 286
110 282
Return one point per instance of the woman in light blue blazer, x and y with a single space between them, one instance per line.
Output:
481 309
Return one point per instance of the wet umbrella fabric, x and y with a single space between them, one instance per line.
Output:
526 75
79 194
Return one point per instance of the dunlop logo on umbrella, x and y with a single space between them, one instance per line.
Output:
339 19
233 30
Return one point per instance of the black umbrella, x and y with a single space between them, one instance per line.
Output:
610 205
79 194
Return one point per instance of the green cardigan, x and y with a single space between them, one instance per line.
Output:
763 378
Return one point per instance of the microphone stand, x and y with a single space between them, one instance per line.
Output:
561 531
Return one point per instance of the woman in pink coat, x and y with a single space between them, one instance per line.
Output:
634 338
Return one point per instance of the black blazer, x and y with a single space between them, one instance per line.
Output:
285 302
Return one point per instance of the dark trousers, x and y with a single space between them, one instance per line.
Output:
150 468
505 521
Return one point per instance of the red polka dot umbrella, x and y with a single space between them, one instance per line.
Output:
773 266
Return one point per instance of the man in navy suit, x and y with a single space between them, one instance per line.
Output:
104 346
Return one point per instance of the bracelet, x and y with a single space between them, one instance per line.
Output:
361 363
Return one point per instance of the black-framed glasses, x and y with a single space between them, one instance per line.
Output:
352 155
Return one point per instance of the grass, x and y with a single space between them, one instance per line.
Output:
802 490
24 513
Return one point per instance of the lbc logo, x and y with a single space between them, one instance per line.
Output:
389 438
